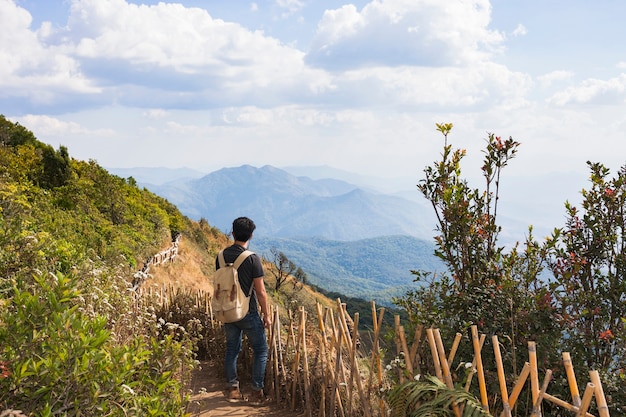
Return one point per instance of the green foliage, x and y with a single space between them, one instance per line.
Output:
501 293
371 269
588 260
61 360
432 398
74 340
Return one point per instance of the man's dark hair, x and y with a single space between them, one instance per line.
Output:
243 228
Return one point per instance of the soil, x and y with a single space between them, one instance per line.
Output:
208 398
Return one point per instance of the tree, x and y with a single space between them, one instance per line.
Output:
588 260
499 292
284 267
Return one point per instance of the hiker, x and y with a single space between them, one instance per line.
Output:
253 324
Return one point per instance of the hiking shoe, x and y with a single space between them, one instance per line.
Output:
233 395
258 398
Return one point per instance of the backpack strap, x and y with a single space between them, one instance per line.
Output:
242 257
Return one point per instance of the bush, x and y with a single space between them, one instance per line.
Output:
58 360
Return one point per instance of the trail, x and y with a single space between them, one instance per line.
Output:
208 399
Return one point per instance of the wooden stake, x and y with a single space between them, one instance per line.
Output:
571 378
320 322
534 373
501 376
455 346
473 371
603 408
517 389
566 405
445 368
537 406
417 338
407 353
307 380
376 364
433 351
479 367
587 396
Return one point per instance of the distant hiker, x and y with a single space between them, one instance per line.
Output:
251 275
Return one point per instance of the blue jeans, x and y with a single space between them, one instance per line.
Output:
252 326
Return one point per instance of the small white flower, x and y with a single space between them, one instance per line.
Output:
388 367
417 377
128 389
468 365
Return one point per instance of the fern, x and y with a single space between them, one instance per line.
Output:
432 398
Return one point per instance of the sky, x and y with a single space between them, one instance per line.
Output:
359 86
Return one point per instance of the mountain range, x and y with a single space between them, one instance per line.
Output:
350 239
285 205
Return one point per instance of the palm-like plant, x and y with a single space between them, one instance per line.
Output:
432 398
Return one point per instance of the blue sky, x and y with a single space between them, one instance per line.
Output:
359 86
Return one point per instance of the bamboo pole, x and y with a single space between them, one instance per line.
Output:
275 343
603 408
352 352
396 319
534 373
305 359
586 401
501 376
566 405
294 369
405 349
479 367
517 388
341 310
376 363
355 369
335 394
417 337
447 378
320 323
455 346
468 383
537 406
571 378
445 367
434 354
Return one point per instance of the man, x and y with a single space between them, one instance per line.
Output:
253 325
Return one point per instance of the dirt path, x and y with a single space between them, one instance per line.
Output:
208 399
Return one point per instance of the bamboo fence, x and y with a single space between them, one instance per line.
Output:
316 367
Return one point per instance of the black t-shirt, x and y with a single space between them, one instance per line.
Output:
250 268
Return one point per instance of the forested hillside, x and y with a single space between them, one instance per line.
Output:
372 269
75 339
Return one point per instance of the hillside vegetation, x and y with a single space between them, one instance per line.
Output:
74 337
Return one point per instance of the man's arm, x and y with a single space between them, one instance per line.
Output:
261 295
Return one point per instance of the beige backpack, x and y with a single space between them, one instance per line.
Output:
230 303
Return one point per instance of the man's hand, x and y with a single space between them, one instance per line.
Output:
267 322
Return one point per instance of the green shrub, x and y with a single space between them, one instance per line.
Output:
56 359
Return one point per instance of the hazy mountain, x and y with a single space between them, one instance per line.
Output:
156 175
284 205
373 269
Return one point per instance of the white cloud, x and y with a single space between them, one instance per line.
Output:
47 126
520 30
555 76
601 92
405 32
156 113
31 69
290 6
